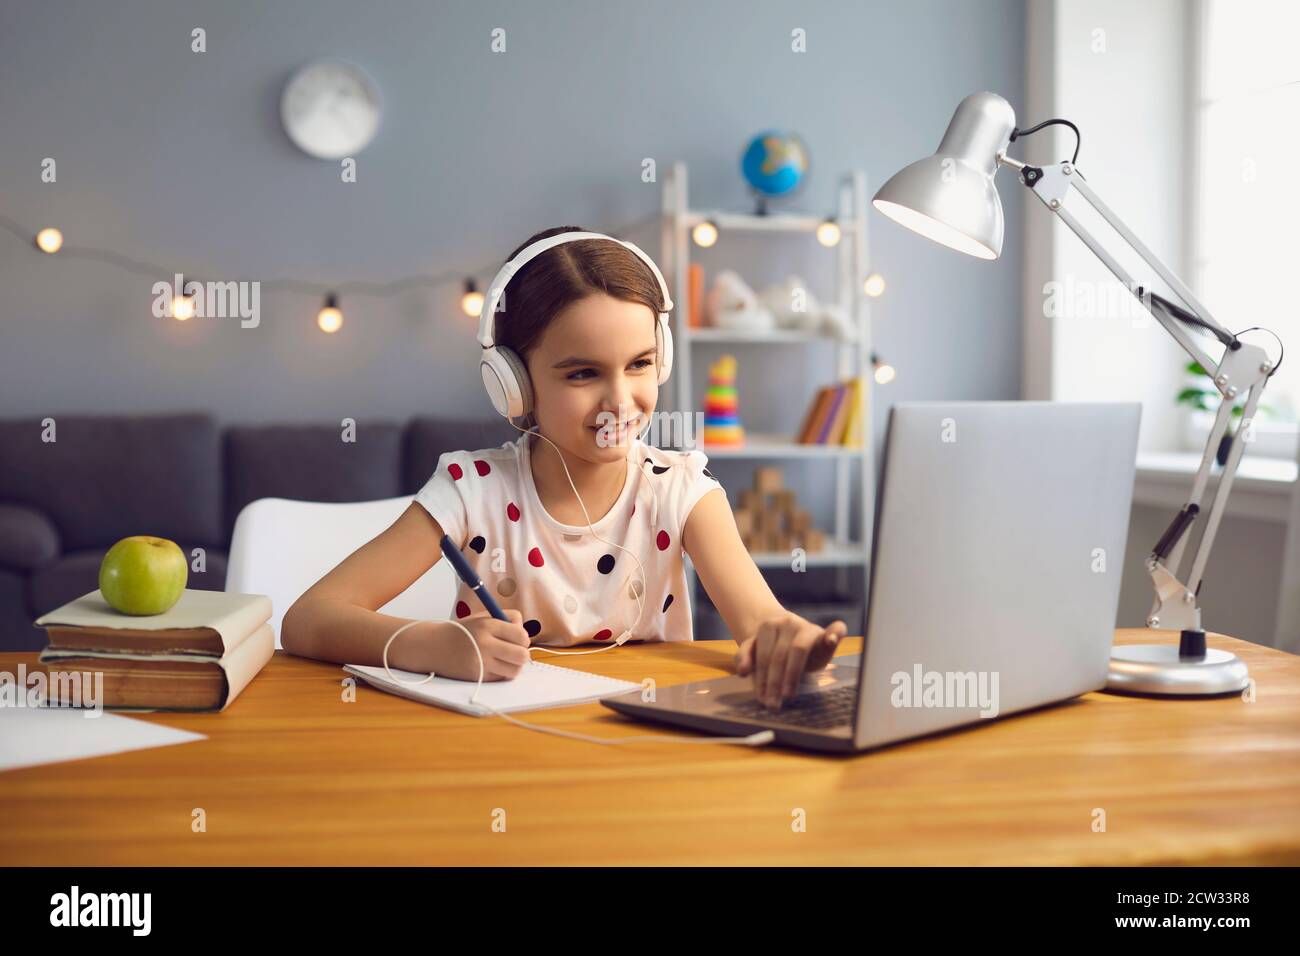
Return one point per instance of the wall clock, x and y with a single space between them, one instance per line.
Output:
330 109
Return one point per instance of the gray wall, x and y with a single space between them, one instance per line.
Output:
179 158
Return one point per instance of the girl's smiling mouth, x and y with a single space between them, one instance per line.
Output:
615 433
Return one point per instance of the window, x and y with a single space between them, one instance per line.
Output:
1245 236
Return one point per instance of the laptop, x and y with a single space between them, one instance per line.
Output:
993 585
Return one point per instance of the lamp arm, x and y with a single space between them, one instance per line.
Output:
1242 367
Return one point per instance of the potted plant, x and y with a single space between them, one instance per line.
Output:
1271 438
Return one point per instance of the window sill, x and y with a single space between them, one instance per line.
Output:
1261 488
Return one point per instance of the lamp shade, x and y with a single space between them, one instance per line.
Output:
950 197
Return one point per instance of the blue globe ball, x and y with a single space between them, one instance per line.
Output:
775 162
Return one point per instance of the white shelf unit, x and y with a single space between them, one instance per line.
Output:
848 550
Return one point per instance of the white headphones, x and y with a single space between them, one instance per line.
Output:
505 376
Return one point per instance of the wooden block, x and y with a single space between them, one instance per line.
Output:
744 522
783 500
815 541
767 478
799 521
750 499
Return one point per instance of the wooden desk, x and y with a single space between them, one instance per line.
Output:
293 775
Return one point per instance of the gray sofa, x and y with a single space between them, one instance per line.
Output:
64 502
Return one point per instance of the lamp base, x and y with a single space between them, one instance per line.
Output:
1158 669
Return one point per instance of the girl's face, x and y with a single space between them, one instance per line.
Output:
595 368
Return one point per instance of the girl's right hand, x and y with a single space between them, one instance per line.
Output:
504 645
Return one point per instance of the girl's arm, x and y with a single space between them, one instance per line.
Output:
774 644
337 619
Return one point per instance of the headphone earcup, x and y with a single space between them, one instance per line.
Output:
665 333
505 377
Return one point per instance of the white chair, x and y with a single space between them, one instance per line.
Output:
281 548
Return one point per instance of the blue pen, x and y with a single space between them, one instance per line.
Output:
470 578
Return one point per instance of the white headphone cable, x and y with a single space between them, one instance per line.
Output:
753 740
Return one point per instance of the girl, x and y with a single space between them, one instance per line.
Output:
530 514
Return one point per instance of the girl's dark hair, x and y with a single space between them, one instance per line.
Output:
565 274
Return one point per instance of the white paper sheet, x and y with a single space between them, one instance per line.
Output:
30 736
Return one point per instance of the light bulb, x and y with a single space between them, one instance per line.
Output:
49 240
182 307
884 373
828 233
705 233
330 317
874 286
472 301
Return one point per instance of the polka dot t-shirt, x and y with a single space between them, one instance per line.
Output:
570 587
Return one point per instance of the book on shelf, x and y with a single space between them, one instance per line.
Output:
198 655
695 295
834 415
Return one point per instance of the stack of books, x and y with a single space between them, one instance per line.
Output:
834 417
198 655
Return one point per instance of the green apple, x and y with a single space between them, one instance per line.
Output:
143 574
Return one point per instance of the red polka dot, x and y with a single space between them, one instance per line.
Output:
603 635
454 470
535 557
481 466
462 609
512 511
661 540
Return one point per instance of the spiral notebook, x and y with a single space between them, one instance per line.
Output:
537 687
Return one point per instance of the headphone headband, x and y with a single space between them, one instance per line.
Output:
487 315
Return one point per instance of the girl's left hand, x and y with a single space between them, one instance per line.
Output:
782 650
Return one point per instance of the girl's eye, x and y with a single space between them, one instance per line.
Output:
580 374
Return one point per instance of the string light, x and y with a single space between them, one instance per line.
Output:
884 372
828 233
153 270
330 317
183 304
49 240
472 301
705 233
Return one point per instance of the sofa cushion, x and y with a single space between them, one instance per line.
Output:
104 478
428 437
310 463
28 539
75 574
17 633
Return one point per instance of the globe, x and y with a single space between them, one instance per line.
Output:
775 162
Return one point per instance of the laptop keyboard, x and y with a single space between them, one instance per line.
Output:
817 710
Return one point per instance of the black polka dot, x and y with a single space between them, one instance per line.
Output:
657 469
478 544
667 601
709 473
533 627
605 564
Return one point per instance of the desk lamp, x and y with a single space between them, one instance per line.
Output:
950 197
